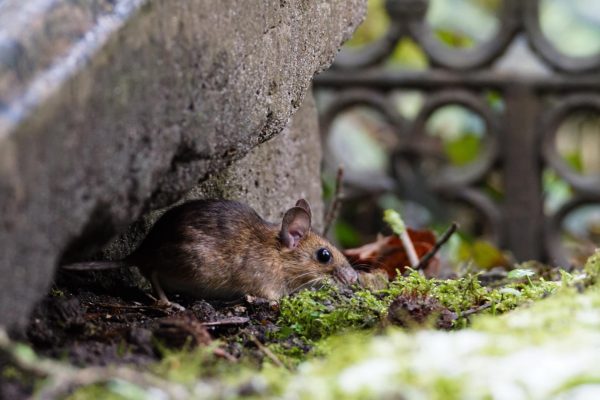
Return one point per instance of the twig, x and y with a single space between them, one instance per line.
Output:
219 352
475 310
131 307
409 247
336 201
266 351
395 221
228 321
443 239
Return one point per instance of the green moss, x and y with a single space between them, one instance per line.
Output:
592 267
574 383
11 372
447 388
496 354
114 390
55 292
316 314
187 365
290 355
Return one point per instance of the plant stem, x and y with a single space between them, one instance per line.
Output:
409 247
442 240
336 201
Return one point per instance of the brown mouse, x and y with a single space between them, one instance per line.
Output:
222 249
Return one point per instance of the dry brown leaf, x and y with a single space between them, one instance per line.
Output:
387 253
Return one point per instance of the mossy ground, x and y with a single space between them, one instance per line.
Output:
548 350
336 342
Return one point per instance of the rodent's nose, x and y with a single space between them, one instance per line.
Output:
346 275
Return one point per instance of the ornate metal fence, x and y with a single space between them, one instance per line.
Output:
521 140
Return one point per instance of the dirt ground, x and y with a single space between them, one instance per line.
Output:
88 325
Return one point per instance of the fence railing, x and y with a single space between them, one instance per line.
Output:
521 138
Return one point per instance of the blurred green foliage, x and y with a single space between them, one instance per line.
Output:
454 39
346 235
374 26
461 132
463 150
408 55
462 24
574 160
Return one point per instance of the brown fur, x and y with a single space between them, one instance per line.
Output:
224 249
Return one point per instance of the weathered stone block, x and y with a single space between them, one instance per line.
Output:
274 175
112 108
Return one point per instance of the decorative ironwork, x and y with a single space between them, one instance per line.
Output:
520 139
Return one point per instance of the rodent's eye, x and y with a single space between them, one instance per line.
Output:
323 255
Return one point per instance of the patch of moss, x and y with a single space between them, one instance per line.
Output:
292 354
318 313
549 349
114 390
592 268
55 292
188 364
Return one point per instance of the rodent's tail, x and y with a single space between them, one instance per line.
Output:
94 265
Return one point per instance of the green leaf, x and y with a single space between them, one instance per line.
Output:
520 273
486 255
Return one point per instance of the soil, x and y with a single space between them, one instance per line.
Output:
89 325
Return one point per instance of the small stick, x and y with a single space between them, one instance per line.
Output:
130 307
443 239
332 212
409 247
266 351
227 321
219 352
475 310
394 220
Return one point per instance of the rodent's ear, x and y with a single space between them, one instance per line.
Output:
304 204
294 226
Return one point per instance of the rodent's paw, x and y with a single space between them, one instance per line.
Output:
260 301
170 305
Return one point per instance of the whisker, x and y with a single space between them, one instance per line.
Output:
373 265
300 277
310 283
303 286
